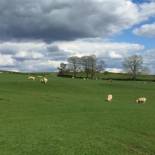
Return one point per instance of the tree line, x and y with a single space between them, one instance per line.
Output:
91 65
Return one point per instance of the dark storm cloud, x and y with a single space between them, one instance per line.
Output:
55 53
51 20
47 20
52 48
7 51
21 59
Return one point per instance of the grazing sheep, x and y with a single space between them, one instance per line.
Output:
109 98
44 80
141 100
31 78
84 78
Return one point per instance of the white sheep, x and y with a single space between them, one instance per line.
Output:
31 78
109 98
141 100
44 80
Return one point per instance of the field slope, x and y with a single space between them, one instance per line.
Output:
71 117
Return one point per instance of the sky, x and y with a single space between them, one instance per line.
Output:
38 35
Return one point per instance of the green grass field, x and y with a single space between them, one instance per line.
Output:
71 117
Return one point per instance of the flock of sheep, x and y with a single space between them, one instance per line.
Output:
140 100
42 79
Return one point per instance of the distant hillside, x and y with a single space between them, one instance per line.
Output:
115 76
102 76
125 76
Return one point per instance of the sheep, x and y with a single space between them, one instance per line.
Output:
109 98
31 78
141 100
44 80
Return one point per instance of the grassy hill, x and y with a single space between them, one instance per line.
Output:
71 117
114 76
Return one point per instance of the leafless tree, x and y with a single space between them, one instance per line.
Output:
74 64
134 65
89 65
62 69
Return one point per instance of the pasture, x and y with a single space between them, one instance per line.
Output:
71 117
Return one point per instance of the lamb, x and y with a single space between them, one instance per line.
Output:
44 80
141 100
31 78
109 98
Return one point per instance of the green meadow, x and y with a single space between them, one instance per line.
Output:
71 117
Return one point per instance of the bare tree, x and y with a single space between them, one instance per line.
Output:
134 65
74 64
85 65
62 69
92 61
89 65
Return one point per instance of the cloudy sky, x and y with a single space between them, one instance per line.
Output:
36 35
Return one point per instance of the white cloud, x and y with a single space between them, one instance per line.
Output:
115 70
99 48
114 54
147 10
149 57
28 55
40 56
55 64
147 30
6 60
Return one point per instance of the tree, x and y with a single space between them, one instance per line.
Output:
74 64
89 65
85 66
92 61
62 69
134 65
